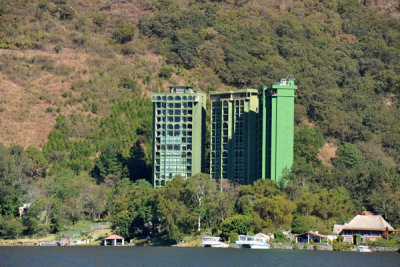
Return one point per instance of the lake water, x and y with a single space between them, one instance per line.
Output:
169 256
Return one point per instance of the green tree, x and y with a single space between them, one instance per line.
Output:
201 190
348 156
305 224
307 141
276 211
10 226
237 223
110 161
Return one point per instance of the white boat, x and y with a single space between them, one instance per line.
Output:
212 242
254 242
364 249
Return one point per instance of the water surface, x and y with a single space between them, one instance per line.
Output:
169 256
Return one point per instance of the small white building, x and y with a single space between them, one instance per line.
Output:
114 240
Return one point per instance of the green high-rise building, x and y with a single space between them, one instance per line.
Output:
234 136
252 133
179 119
277 120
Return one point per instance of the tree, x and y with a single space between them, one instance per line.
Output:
348 156
237 223
307 141
10 226
137 162
201 189
305 224
110 161
11 182
39 162
275 211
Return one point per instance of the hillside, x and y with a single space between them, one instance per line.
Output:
76 116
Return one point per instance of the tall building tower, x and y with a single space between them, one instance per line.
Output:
234 136
277 120
178 133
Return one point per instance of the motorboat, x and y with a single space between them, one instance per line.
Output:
254 242
364 249
212 242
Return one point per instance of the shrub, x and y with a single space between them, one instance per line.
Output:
127 82
280 236
42 5
99 19
58 48
64 12
127 50
2 9
233 237
124 33
80 40
94 108
340 246
165 72
357 237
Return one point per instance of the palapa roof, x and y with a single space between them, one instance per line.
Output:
111 237
368 222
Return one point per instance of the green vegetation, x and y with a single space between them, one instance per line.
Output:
95 163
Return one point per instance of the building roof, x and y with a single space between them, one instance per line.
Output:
313 233
317 234
337 228
111 237
368 222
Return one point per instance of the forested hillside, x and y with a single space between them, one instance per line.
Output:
76 115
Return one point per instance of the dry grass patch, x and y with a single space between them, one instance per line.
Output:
326 153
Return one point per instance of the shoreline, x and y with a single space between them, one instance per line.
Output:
274 246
